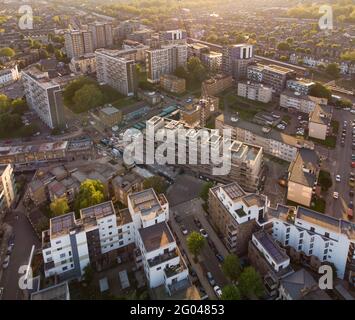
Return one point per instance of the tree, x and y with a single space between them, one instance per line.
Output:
230 292
320 91
205 190
324 180
91 192
59 206
195 243
181 72
333 70
19 106
157 183
231 267
7 52
72 87
250 283
283 46
87 97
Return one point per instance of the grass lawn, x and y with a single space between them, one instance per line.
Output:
329 142
124 102
318 205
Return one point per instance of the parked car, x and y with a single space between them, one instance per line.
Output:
183 230
210 278
219 257
351 193
204 233
197 222
6 262
9 249
337 178
217 291
335 195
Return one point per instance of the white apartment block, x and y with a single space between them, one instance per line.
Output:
294 100
319 122
255 91
212 60
299 85
273 142
116 71
44 96
7 187
85 64
70 245
9 75
164 61
324 238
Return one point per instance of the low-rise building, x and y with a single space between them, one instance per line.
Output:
216 85
293 100
124 185
234 213
173 83
110 116
197 113
85 64
303 176
255 91
7 187
302 86
319 122
9 75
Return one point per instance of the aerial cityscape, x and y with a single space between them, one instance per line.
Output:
177 150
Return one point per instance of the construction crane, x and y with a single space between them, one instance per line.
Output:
183 18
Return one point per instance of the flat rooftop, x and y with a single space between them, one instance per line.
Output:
271 247
146 202
321 115
62 224
109 110
98 211
56 292
156 236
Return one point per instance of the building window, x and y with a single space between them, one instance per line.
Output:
62 255
325 258
65 268
326 234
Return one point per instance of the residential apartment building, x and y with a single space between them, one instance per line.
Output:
198 112
271 75
315 239
85 64
78 42
255 91
234 213
139 48
235 60
295 101
270 260
124 185
216 85
302 86
9 75
164 60
212 61
245 159
44 96
273 142
101 234
319 122
116 71
196 50
172 37
172 83
102 34
303 176
7 187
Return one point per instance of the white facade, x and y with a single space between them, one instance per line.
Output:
255 91
118 72
164 61
299 85
83 65
9 75
314 237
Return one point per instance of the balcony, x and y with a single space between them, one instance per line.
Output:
174 270
162 258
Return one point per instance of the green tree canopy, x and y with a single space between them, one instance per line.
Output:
333 70
231 267
157 183
205 190
283 46
195 243
59 206
250 283
87 97
91 192
320 91
7 52
230 292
